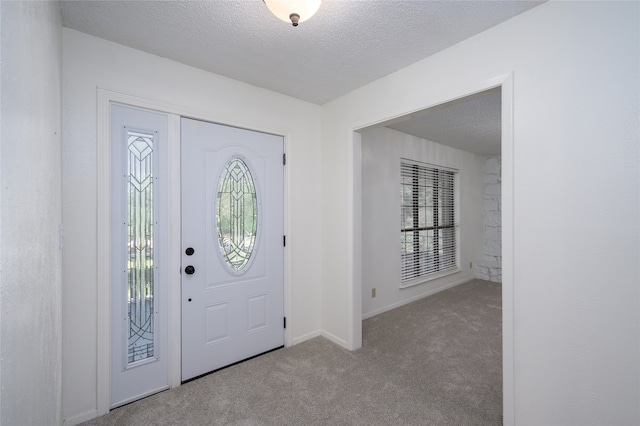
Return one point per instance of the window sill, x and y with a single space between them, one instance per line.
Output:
431 277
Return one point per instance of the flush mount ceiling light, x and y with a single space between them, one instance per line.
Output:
294 11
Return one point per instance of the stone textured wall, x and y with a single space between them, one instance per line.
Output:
491 266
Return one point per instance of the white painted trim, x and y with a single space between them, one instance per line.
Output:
290 247
175 253
385 119
336 340
354 275
508 152
81 418
104 98
103 261
354 242
306 337
414 298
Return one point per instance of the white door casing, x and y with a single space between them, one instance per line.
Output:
230 313
139 296
105 99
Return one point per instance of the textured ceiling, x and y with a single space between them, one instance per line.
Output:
347 44
471 124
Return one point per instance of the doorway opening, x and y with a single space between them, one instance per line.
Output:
462 136
502 87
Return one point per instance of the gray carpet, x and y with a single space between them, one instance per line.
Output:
436 361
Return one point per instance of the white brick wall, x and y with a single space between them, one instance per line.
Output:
491 266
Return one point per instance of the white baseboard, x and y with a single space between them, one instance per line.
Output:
80 418
335 339
317 333
305 337
414 298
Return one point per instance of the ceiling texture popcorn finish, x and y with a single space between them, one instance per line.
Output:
471 124
346 45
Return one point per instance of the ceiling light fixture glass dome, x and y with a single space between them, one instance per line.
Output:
294 11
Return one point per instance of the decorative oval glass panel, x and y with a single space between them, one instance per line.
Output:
236 214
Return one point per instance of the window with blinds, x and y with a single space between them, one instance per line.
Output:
428 220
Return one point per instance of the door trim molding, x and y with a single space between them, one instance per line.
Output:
103 230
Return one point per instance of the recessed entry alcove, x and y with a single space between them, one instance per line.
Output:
462 136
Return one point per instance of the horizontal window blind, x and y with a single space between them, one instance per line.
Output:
428 228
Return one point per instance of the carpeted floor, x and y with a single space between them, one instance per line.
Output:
436 361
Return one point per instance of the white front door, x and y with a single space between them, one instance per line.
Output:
232 245
139 305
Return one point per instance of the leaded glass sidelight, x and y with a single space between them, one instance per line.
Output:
140 232
236 214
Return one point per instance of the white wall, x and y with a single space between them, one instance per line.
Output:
576 186
30 214
381 151
89 63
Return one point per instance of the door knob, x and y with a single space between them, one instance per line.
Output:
189 270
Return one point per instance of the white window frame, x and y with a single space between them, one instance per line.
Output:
451 263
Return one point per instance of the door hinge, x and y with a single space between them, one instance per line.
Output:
284 159
285 322
284 240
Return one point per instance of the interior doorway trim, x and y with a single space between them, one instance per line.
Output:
354 209
103 229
